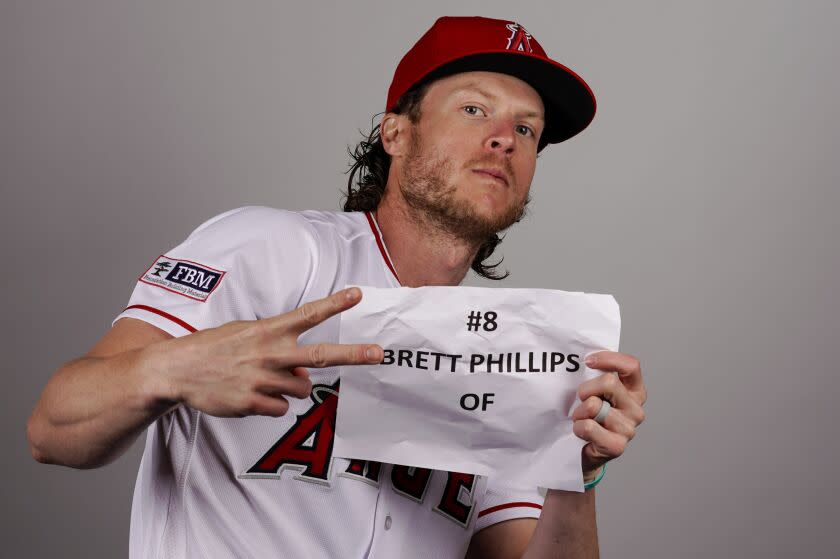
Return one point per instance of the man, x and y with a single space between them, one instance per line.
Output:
212 353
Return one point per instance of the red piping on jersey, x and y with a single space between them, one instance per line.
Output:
381 245
164 314
509 506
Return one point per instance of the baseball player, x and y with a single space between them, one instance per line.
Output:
226 353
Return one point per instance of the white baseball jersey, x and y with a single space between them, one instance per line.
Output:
270 487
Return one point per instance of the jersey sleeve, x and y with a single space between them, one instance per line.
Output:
244 264
505 503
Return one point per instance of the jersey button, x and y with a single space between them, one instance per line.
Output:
388 522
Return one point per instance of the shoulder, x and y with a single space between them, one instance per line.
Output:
252 242
255 222
260 241
263 222
337 225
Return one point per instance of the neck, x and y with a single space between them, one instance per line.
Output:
421 253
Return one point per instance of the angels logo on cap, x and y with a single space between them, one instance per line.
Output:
519 38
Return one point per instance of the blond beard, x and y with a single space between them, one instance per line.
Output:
425 190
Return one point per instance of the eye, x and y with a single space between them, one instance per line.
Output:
525 130
474 110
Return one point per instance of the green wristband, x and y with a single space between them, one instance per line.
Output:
597 480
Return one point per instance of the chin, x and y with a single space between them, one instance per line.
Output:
492 205
478 221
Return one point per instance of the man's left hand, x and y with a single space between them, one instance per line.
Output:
625 392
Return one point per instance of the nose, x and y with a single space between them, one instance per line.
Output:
501 138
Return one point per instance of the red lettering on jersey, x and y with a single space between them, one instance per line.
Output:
308 443
356 467
449 505
363 470
410 482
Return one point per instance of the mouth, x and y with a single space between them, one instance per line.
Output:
493 173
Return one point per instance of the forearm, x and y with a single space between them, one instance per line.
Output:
94 407
566 528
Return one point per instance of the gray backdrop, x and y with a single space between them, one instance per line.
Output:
703 197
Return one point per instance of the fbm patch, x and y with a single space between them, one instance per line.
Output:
184 277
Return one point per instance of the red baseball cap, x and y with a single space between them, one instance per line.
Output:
466 44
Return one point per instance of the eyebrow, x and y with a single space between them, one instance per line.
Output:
473 87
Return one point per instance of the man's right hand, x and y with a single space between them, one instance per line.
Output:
248 367
94 407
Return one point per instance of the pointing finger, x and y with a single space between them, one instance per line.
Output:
328 355
313 313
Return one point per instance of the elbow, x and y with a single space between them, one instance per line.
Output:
36 438
45 448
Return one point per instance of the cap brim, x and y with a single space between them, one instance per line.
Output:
569 102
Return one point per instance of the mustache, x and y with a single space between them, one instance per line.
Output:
491 161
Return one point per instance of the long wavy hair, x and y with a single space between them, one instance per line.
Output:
368 175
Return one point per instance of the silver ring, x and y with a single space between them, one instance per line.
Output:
602 413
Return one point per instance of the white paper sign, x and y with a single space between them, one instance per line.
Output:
475 380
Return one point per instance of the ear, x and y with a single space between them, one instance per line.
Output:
395 131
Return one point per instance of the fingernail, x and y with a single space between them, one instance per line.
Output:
371 353
351 293
590 360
